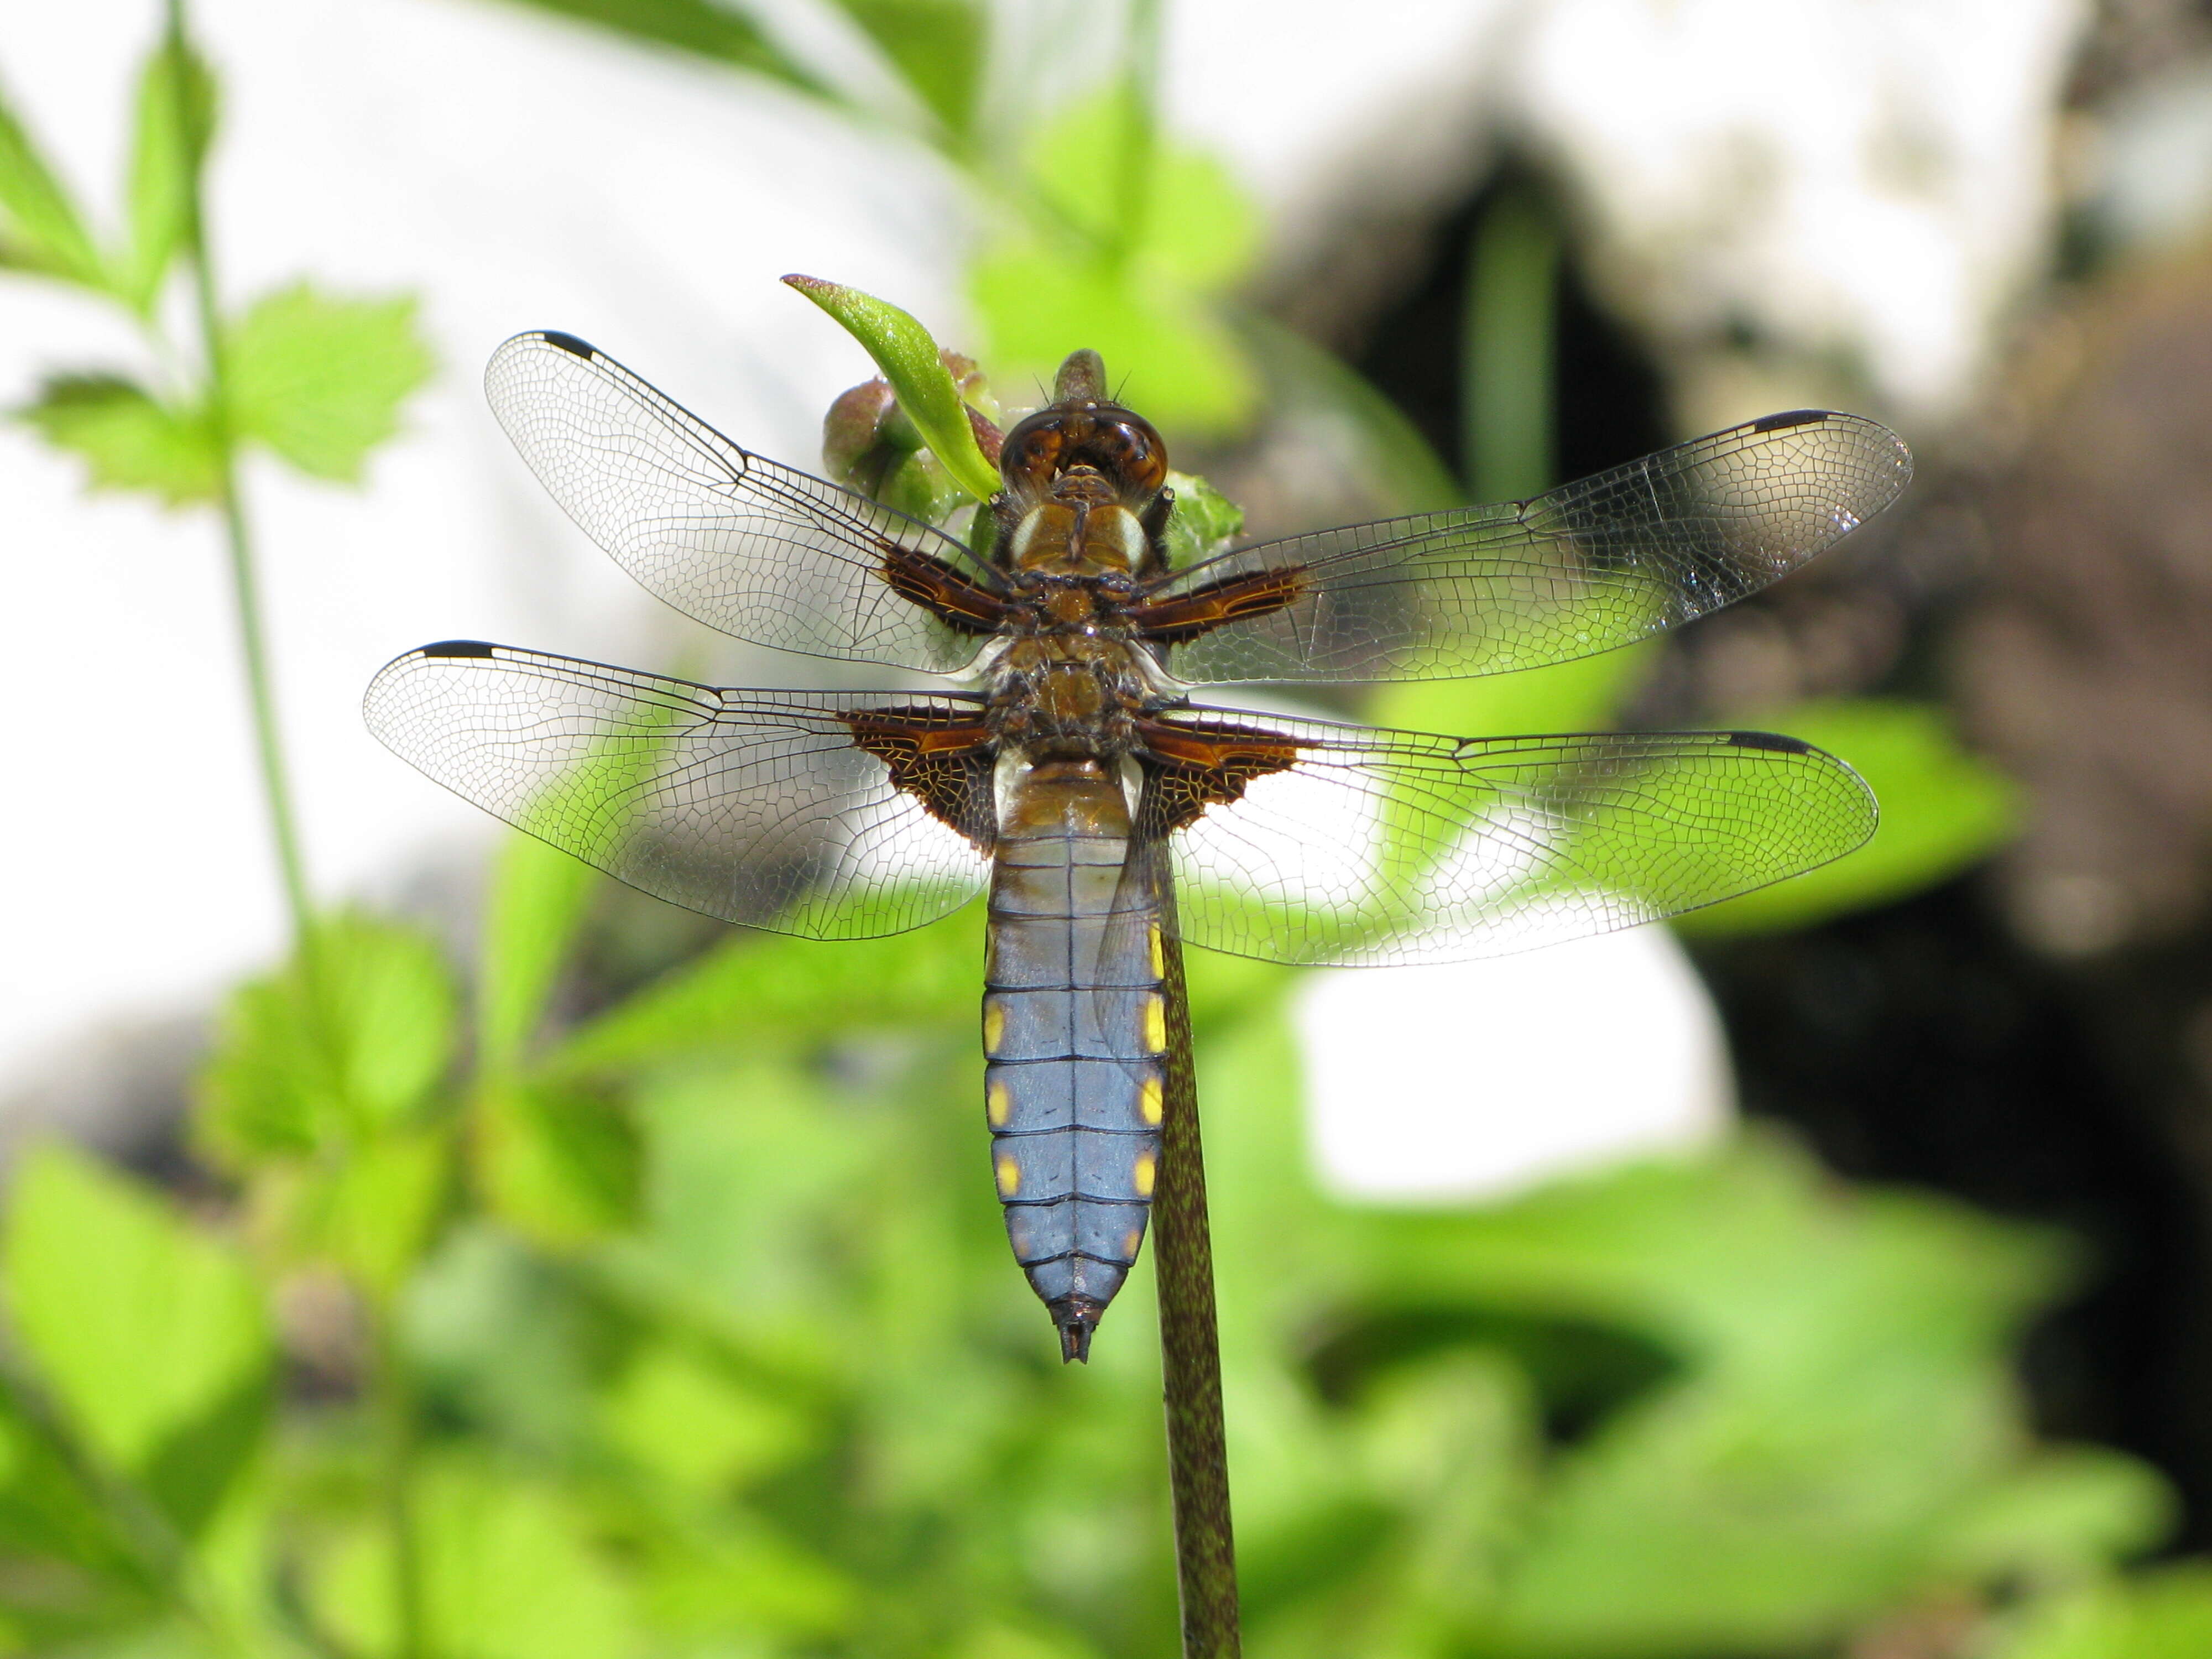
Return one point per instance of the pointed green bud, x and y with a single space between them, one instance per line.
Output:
926 388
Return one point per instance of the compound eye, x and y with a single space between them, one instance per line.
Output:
1127 449
1121 446
1031 453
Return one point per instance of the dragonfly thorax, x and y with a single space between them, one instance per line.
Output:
1067 695
1076 537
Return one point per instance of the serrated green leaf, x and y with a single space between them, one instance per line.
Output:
320 380
1204 523
304 1060
936 45
914 366
131 441
175 125
1943 810
721 33
151 1336
40 229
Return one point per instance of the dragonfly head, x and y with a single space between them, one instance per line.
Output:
1082 433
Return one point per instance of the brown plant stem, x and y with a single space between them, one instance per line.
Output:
1190 1348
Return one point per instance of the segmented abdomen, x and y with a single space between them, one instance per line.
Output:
1074 1026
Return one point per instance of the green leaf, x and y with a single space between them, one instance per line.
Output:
2063 1512
506 1571
320 379
913 364
150 1335
1198 228
700 26
1204 523
752 1579
538 900
936 45
698 1426
131 441
559 1165
75 1572
1844 1387
175 126
1130 272
371 1212
1581 696
304 1059
1942 811
1176 361
755 991
2165 1614
40 229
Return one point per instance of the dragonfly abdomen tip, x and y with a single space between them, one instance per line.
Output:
1076 1316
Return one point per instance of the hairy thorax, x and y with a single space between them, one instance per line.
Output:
1071 677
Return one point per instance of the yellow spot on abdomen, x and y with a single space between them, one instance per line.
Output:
1130 1240
1159 953
1156 1024
1010 1178
994 1024
1147 1167
1149 1098
998 1103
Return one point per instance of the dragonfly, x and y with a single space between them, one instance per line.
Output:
1057 760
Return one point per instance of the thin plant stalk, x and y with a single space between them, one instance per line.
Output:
391 1401
1190 1346
246 585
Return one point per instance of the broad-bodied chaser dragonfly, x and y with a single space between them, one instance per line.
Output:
1063 765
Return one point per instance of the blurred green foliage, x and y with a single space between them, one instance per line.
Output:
316 379
775 1389
688 1328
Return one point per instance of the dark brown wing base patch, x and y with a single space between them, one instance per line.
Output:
1233 598
1192 770
960 602
946 766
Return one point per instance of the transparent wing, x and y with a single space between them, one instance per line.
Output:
1588 566
762 551
755 806
1397 847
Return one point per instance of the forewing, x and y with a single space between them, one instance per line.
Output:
1397 847
760 550
760 807
1588 566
